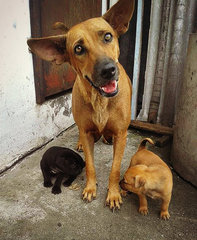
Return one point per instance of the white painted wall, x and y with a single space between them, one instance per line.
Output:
24 125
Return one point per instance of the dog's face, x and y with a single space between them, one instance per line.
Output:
134 179
91 47
71 167
95 56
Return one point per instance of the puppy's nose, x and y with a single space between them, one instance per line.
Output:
108 71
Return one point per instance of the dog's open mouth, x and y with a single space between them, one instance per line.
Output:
110 89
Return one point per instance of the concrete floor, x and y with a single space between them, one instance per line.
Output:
28 211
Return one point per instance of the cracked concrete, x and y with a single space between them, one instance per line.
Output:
28 211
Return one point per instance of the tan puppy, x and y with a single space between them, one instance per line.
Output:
101 97
149 175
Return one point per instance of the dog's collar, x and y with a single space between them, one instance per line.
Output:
104 94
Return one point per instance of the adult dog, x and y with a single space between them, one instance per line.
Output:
101 97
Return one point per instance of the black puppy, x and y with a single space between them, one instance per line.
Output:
61 163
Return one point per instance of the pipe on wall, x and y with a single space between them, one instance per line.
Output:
167 56
138 47
176 62
159 73
104 6
112 2
155 24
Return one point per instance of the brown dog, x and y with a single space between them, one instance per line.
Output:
149 175
101 97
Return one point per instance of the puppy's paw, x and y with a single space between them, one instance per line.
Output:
48 184
143 211
67 183
164 215
108 140
123 193
114 200
56 190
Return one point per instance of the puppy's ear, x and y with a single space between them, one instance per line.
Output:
139 181
50 48
119 15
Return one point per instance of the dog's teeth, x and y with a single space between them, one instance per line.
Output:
110 87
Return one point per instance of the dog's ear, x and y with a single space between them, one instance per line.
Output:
139 181
50 48
60 26
119 15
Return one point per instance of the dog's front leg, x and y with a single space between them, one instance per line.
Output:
87 140
114 197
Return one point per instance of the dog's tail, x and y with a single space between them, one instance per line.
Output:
143 143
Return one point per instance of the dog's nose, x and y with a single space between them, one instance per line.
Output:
108 71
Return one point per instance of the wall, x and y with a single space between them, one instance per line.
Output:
171 22
184 149
24 125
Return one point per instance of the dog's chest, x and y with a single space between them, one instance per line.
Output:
100 114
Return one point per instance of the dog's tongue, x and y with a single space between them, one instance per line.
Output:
110 87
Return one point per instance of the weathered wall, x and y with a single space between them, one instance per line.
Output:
184 152
24 125
177 59
171 22
153 41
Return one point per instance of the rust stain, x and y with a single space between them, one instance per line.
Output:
52 80
70 75
59 78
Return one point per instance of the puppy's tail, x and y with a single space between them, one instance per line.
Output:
143 143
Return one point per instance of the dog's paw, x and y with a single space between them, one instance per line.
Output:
164 215
143 211
113 200
89 193
48 184
56 190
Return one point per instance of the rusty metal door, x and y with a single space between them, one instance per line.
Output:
51 79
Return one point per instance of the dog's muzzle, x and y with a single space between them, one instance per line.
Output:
105 77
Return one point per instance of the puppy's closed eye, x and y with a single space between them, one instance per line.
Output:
125 180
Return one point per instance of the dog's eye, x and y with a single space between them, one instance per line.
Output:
108 37
79 50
